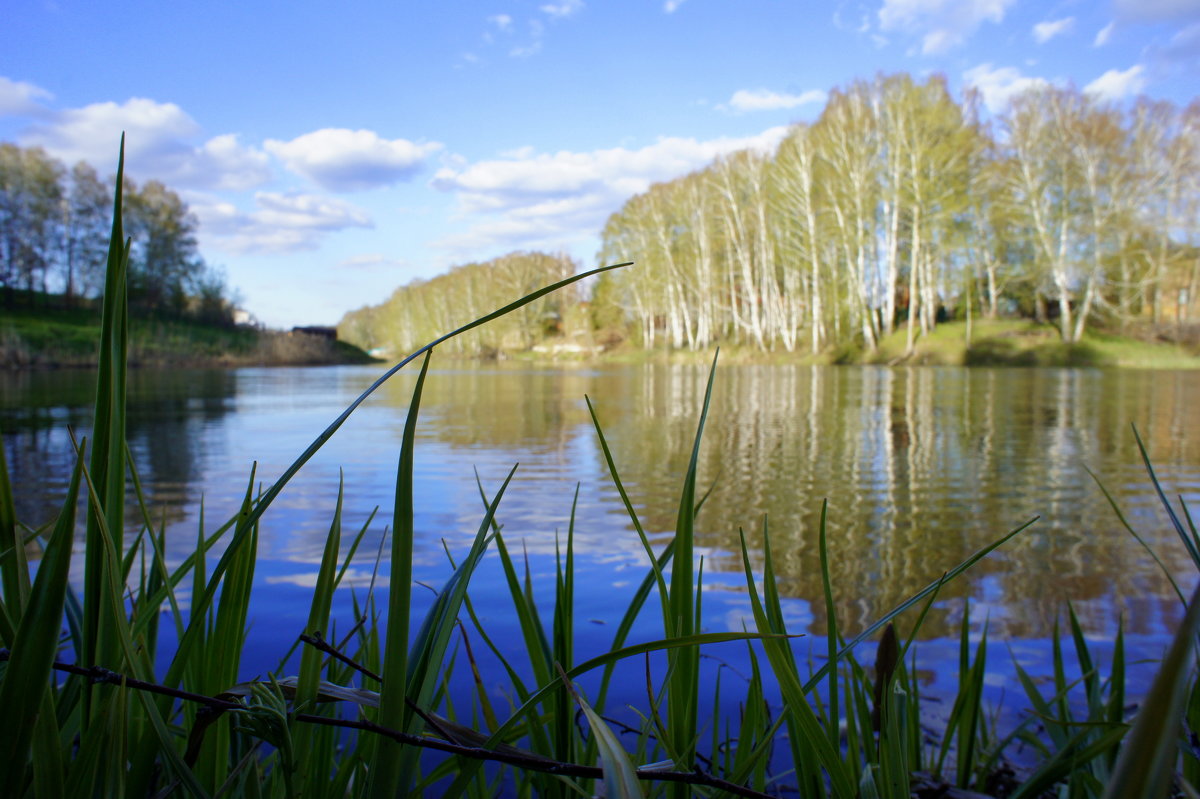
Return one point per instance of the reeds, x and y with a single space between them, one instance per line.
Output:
86 713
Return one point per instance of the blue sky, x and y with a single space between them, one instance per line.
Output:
334 151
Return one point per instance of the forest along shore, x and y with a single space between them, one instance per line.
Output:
50 337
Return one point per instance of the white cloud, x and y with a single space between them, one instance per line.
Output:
1117 85
563 8
280 223
502 22
338 159
551 200
20 98
744 100
671 6
353 578
1104 35
157 145
943 24
91 133
223 162
1045 31
999 85
1156 10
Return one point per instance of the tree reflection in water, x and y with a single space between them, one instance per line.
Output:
921 466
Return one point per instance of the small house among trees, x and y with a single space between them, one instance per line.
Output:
319 331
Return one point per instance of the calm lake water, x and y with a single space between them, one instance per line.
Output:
920 467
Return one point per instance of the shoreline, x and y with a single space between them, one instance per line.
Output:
49 342
998 343
260 348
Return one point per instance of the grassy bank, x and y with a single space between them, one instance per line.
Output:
1016 342
48 337
1000 342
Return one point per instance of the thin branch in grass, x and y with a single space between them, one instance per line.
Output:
508 755
536 763
317 642
99 674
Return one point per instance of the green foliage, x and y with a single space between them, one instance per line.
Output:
40 335
423 309
898 208
52 234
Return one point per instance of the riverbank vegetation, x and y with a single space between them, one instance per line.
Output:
900 208
54 236
369 711
422 310
49 331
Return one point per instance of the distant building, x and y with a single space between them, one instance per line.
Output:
244 318
317 330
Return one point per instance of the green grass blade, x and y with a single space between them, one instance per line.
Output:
431 641
657 570
1189 540
620 777
1147 761
935 585
1116 700
832 636
809 741
564 629
969 712
428 651
386 768
683 685
107 465
305 738
653 576
613 656
1069 760
27 673
320 606
1129 528
14 569
132 659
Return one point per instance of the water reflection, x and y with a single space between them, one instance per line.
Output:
920 468
169 412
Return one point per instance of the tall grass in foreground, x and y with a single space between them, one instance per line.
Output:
369 710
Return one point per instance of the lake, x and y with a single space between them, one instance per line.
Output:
920 467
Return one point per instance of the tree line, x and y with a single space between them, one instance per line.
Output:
425 309
899 206
55 224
